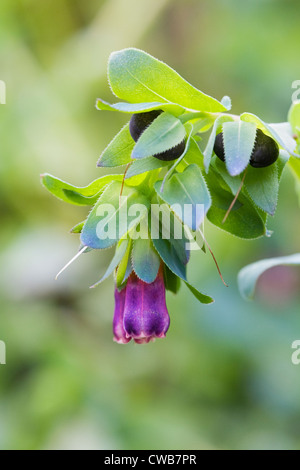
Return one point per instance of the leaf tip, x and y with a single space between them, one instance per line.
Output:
134 154
43 176
226 102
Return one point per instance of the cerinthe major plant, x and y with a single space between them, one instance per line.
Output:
165 165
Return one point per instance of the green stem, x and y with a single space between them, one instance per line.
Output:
201 114
191 116
216 115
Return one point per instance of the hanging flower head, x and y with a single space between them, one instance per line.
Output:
140 311
166 170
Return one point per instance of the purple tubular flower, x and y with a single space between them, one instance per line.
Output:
118 327
145 315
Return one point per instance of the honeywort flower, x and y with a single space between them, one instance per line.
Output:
140 311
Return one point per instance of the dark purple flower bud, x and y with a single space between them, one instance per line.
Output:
118 326
145 313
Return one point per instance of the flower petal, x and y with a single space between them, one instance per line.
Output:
118 327
145 314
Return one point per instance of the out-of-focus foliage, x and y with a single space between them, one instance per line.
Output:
223 378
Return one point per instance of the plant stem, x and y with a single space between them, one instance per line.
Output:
235 198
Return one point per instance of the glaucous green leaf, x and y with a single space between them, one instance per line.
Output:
167 253
282 161
164 133
136 76
216 129
129 270
122 268
172 282
189 128
239 139
77 228
138 167
118 151
244 220
284 131
219 178
202 125
226 101
262 185
75 198
164 224
135 180
120 252
81 196
112 218
233 182
294 164
134 108
192 156
202 298
248 276
145 260
283 138
188 196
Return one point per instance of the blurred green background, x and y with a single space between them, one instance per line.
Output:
223 378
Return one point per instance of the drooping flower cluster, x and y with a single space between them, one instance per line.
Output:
167 169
